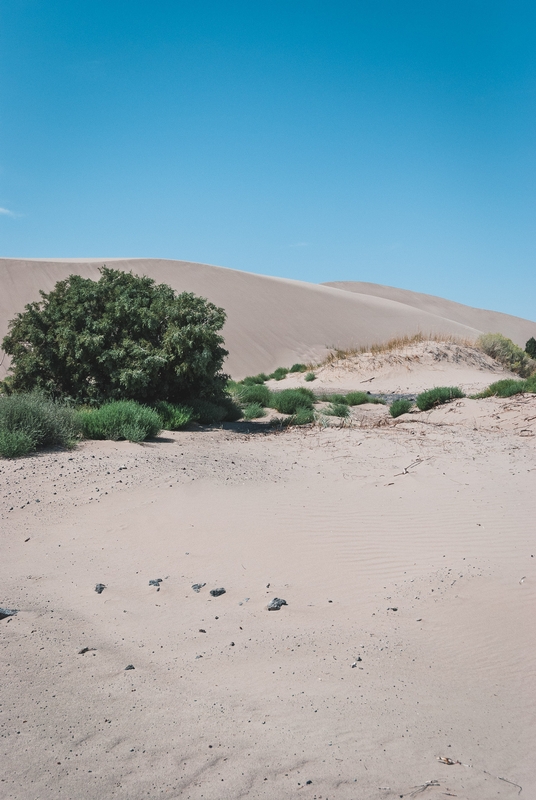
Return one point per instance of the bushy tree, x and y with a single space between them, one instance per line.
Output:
121 337
530 347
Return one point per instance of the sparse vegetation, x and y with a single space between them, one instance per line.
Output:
253 393
359 398
173 417
396 343
260 378
507 353
436 397
298 368
337 410
310 377
31 421
399 407
290 400
254 411
279 373
508 387
120 419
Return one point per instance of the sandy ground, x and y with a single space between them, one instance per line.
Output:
404 549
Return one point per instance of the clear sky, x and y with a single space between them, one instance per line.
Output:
390 141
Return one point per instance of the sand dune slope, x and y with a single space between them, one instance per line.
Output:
516 328
271 321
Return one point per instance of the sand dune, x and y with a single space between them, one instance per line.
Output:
271 321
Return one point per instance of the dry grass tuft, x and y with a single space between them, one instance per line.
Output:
397 343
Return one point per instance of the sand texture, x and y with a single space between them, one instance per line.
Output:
405 552
272 322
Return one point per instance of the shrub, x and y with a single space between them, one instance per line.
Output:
173 417
399 407
298 368
207 412
121 337
260 378
530 347
290 400
359 398
279 373
507 353
254 411
32 418
338 410
310 376
253 393
120 419
338 398
233 412
303 416
438 396
15 443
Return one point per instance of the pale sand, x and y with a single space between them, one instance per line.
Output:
431 514
272 321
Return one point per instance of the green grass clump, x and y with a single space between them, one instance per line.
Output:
310 377
254 411
438 396
507 353
120 419
399 407
279 373
173 417
253 379
290 400
337 410
298 368
360 398
303 416
15 443
508 387
30 421
253 393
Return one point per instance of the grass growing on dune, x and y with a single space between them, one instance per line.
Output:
254 411
438 396
396 343
399 407
121 419
31 421
508 387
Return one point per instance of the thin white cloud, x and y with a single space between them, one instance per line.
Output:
6 212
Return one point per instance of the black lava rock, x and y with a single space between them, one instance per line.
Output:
198 586
155 582
276 604
130 666
217 592
99 588
7 612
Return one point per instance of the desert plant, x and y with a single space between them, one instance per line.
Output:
399 407
530 347
251 379
173 417
508 387
254 411
298 368
337 410
438 396
310 377
360 398
290 400
120 419
26 418
279 373
121 337
15 443
507 353
253 393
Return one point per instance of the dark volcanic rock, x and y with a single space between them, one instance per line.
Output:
217 592
155 582
130 666
7 612
276 604
99 588
198 586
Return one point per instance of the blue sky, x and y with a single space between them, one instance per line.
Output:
386 141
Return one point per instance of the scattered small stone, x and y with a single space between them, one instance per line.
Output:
276 604
85 650
99 588
217 592
202 630
199 656
7 612
355 662
393 608
198 586
130 666
155 582
26 540
308 783
232 644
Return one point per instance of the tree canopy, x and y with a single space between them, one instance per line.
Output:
121 337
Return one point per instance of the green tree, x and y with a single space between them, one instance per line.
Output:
121 337
530 347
